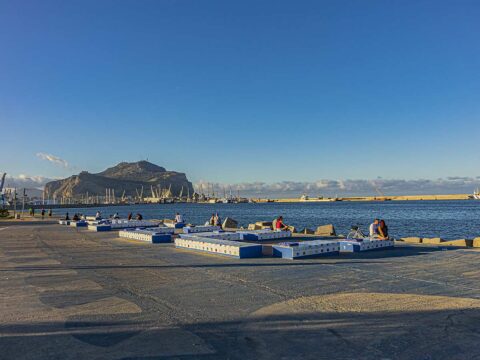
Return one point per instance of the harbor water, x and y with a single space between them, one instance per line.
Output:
445 219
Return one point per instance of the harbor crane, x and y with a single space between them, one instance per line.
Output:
379 192
2 192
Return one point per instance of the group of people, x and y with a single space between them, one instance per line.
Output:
42 212
138 216
215 220
76 217
378 230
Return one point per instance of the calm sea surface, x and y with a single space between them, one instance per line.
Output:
447 219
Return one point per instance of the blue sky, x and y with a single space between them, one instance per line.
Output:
242 91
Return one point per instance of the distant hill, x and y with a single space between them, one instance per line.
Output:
127 177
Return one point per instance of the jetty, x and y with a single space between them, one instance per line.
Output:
68 290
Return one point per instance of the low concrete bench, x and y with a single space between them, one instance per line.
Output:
153 235
234 249
262 235
365 245
305 249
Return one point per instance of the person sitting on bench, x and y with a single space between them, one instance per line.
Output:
179 218
382 230
279 225
374 229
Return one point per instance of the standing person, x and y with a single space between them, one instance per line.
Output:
67 217
50 212
130 215
374 229
33 212
179 218
43 214
279 225
382 230
212 220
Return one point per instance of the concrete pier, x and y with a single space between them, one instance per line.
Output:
68 293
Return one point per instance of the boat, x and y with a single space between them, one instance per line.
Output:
476 194
304 197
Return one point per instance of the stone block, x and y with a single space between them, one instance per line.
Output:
459 242
412 240
264 223
431 240
325 230
476 242
229 223
307 231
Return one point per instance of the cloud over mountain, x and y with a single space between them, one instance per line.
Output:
26 181
349 187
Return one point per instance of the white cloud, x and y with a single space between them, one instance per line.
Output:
53 159
360 187
26 181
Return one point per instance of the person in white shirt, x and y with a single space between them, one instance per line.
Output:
178 218
374 229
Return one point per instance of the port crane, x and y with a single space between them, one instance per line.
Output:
2 192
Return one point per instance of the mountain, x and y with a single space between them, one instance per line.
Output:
128 177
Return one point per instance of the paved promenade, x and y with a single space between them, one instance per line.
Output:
74 294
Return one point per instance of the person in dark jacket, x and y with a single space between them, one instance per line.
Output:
382 230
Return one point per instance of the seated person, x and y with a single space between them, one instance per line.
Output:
211 222
382 230
139 217
179 218
116 216
75 217
130 215
374 229
98 216
279 225
217 220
